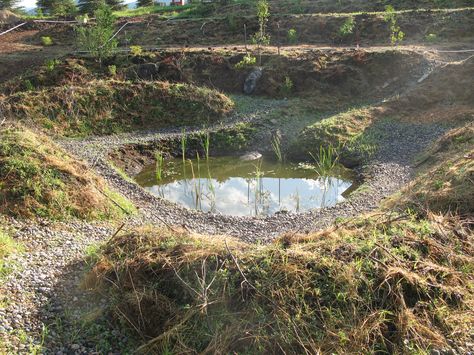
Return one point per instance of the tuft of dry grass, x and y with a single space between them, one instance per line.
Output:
38 179
378 283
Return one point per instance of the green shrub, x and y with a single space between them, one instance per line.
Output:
287 86
97 39
292 36
247 61
112 70
46 41
136 51
347 27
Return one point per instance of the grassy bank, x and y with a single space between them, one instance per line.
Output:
38 179
104 107
379 283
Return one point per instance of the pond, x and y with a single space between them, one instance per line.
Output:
231 186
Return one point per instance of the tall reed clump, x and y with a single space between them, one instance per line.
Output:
326 160
276 146
160 161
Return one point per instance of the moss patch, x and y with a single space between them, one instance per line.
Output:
374 284
104 107
38 179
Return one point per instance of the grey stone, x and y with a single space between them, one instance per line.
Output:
252 80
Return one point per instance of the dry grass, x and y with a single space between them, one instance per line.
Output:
378 283
38 179
446 179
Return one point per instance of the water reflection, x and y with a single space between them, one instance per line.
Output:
230 186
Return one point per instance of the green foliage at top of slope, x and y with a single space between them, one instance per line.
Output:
38 179
379 283
105 107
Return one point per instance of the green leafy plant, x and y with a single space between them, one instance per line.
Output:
292 36
51 64
396 34
261 38
46 41
247 61
98 39
28 85
431 37
287 86
112 70
347 27
136 51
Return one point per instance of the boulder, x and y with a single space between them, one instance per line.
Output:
252 80
251 156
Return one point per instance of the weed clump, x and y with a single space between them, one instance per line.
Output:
38 179
380 283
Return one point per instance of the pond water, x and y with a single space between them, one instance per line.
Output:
231 186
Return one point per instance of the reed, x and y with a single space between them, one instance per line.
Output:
276 146
326 160
183 144
206 144
160 161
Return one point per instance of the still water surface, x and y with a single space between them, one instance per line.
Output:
231 186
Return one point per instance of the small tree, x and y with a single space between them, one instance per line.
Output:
396 34
90 6
57 7
97 39
144 3
8 4
261 38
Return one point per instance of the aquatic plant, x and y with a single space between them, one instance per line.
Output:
160 160
183 145
326 160
206 144
276 146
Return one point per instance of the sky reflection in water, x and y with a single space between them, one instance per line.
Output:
229 186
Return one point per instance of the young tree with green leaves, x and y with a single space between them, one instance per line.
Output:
8 4
396 34
97 39
144 3
90 6
57 7
261 38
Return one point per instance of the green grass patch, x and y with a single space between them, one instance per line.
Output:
8 246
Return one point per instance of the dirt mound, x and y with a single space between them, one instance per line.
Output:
8 17
38 179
